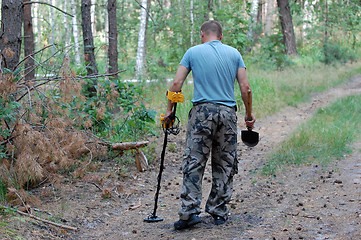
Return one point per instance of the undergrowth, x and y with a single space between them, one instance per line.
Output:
49 127
325 137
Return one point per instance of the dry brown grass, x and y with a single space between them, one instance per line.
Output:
39 148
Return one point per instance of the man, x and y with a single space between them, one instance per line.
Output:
212 123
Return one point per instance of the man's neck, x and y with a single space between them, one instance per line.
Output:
210 39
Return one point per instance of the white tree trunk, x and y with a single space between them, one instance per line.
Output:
139 66
254 11
270 16
75 33
92 15
66 26
106 39
52 26
106 29
307 17
35 10
192 23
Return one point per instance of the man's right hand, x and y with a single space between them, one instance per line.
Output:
250 122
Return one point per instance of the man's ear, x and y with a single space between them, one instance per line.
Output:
220 38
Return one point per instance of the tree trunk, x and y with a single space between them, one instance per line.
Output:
93 15
192 22
260 12
29 45
289 39
89 56
35 11
52 26
12 16
139 67
113 37
271 6
75 33
252 24
66 26
209 8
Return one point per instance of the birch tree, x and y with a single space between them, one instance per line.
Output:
35 8
140 58
271 7
93 16
192 22
75 33
52 26
66 25
254 11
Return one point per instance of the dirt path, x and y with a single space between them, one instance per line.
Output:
306 202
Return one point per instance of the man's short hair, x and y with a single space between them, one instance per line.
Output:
212 26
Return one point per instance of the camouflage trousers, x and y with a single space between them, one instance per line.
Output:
211 130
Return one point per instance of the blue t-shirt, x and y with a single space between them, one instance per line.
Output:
214 66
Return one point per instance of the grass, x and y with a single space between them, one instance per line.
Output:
272 90
327 136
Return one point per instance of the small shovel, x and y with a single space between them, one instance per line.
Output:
249 137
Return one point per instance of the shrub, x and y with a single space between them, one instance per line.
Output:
334 52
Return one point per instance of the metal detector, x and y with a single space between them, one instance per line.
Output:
170 126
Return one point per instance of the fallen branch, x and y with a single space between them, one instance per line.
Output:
49 222
135 207
126 145
42 220
140 159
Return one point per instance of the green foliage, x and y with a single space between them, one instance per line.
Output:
271 54
3 191
115 113
235 27
8 112
7 211
325 137
334 53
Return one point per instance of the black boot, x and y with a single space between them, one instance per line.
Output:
183 224
219 220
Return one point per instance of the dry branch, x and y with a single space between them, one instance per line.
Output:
127 145
42 220
140 159
49 222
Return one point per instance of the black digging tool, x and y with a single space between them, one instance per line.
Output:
171 127
249 137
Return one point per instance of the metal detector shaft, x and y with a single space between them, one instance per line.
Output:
153 217
161 168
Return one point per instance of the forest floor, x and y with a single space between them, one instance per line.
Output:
301 202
